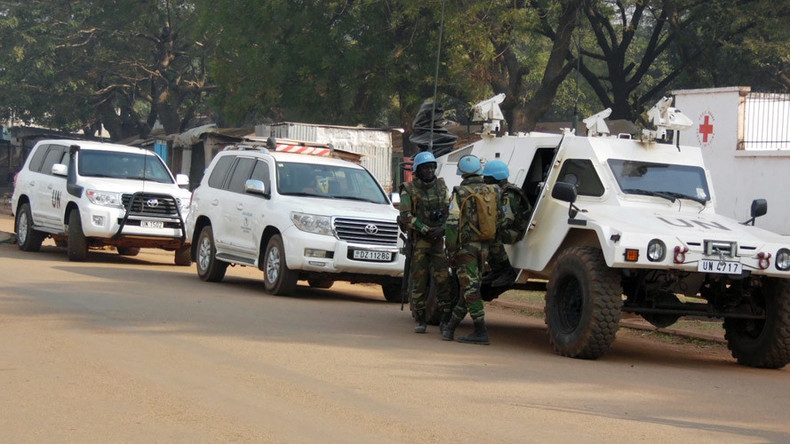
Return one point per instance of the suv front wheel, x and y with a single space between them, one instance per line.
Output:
78 245
277 278
208 267
27 238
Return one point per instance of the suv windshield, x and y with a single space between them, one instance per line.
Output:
661 179
118 165
328 181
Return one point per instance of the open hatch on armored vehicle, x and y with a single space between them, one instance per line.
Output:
626 225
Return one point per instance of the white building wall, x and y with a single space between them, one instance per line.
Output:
738 176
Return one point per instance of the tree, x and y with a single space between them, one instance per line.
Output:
643 48
123 65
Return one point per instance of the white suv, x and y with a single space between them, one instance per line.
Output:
295 217
91 194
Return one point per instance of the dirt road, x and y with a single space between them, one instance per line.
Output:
122 349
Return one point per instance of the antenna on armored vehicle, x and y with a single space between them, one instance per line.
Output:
596 125
489 113
666 117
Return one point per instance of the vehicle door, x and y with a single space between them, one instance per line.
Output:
237 209
50 190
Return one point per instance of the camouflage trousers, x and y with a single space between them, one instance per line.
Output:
429 262
470 261
497 255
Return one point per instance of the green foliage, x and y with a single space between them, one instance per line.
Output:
128 64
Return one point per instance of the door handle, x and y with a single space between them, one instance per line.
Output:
239 207
215 202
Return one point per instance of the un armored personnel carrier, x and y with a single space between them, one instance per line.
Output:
625 224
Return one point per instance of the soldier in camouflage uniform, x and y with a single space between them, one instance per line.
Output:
511 227
468 252
423 212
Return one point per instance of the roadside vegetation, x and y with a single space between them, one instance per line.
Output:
126 66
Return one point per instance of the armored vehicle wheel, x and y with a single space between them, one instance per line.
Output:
583 302
27 238
183 256
77 246
277 278
208 267
128 251
320 283
765 342
391 290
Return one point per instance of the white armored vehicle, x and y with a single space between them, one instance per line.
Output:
626 225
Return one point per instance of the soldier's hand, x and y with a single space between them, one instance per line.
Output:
436 233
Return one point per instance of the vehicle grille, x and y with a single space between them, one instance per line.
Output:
150 204
367 231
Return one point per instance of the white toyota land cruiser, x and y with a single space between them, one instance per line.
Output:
91 194
295 217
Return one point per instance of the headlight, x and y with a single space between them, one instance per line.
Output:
105 198
312 223
782 260
656 250
183 204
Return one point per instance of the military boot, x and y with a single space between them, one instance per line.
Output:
449 330
445 319
479 336
421 324
504 276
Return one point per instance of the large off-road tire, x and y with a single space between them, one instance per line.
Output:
763 343
183 256
78 245
583 304
277 278
209 268
433 313
392 290
27 238
128 251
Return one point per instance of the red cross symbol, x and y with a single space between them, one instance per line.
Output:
706 129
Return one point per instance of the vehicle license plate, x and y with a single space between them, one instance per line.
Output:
152 224
376 256
719 267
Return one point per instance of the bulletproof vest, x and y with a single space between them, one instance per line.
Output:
428 200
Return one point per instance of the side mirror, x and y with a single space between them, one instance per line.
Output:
564 191
60 169
395 197
182 180
254 186
759 208
567 193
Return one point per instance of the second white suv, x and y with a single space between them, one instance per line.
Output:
295 217
92 194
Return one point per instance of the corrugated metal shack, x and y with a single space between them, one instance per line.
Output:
373 144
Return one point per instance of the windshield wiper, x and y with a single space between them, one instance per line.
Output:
642 192
671 196
699 200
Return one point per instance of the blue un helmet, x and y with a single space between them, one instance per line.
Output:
496 169
469 165
421 158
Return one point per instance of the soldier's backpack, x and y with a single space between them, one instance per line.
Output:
487 204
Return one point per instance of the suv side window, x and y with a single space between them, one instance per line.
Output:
261 172
581 172
217 178
54 155
38 158
241 172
